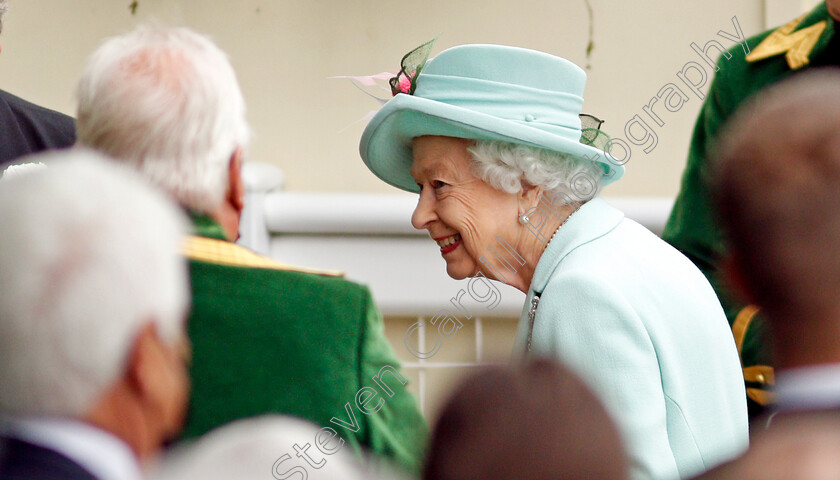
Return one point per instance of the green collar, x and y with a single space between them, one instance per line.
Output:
818 14
204 226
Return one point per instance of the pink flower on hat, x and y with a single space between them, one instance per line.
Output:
405 84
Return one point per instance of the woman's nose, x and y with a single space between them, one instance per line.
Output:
424 212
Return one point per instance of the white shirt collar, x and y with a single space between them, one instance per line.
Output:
814 387
102 454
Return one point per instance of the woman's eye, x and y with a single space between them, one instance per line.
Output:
438 184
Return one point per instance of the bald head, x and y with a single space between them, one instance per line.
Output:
777 192
537 421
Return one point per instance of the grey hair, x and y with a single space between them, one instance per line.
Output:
167 102
506 166
89 255
4 7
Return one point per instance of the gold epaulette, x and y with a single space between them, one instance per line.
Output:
796 46
212 250
761 374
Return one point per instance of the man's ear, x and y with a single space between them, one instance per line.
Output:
236 186
158 381
144 361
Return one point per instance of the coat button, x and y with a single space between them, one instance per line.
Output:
530 118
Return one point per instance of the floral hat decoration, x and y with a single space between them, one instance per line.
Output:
410 66
484 92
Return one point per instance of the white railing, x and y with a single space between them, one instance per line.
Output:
369 236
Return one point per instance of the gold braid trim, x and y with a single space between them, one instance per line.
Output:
761 397
762 374
739 327
212 250
796 46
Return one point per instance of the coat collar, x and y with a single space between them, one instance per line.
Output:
204 226
818 14
802 40
594 219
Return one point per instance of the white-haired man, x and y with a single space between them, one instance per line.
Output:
93 300
28 128
266 338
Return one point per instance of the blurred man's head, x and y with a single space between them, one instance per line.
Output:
538 421
248 449
167 102
777 191
93 300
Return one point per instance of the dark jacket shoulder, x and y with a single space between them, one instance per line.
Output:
27 128
20 460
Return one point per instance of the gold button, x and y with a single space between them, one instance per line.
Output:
759 378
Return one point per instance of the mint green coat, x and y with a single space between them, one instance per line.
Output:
643 327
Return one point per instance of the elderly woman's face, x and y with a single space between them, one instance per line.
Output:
462 213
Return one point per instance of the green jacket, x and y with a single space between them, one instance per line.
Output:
775 55
269 339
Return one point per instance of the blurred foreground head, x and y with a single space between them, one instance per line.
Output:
93 300
801 447
166 101
256 448
537 421
777 193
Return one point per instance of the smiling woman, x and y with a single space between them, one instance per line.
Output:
453 206
491 139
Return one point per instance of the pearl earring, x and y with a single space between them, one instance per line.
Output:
524 219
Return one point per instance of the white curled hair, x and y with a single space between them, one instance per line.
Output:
89 254
4 7
505 166
166 101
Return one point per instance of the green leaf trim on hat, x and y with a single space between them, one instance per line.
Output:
410 66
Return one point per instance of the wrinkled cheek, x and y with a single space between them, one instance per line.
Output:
470 259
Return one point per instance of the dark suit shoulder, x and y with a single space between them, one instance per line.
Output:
26 108
20 460
27 128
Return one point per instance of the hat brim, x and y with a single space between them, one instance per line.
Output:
386 144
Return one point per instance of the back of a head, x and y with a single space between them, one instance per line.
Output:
89 254
801 446
776 190
255 448
167 102
538 421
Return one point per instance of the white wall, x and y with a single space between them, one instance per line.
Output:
285 52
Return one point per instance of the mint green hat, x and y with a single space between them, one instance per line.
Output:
483 92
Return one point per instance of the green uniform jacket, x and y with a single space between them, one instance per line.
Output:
268 339
808 41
